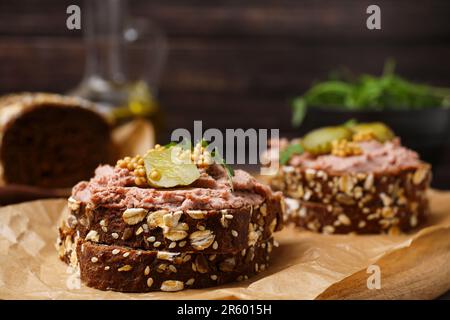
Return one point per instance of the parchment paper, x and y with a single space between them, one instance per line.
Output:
304 266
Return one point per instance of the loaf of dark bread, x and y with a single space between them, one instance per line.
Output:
117 268
48 140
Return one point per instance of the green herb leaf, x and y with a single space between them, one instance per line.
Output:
220 161
287 153
170 144
184 144
229 169
299 111
204 143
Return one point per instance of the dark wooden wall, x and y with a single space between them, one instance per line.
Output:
236 63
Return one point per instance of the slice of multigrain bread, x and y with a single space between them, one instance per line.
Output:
118 268
211 231
354 202
125 235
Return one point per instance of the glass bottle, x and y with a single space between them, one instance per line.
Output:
124 60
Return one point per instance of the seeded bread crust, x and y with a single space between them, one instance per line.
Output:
340 219
352 188
354 202
117 268
36 129
209 231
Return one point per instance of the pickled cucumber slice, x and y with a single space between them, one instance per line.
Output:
379 130
319 141
166 167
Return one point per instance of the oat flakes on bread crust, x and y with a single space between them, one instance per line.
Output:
110 267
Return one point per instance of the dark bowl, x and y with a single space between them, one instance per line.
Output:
425 131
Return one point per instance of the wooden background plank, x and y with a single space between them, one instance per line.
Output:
236 63
228 76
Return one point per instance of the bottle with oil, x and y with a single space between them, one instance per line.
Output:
124 60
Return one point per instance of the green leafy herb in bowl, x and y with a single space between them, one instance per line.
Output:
367 92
